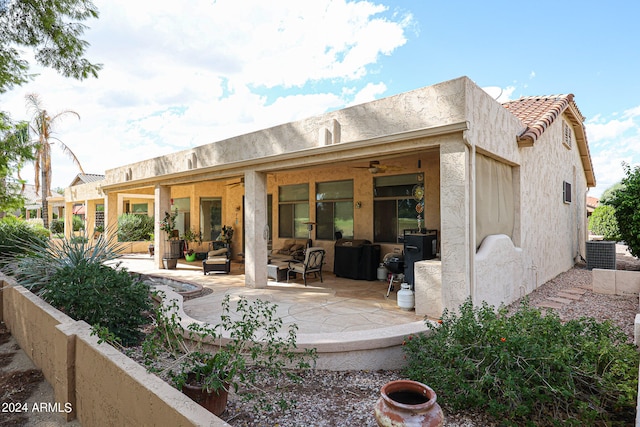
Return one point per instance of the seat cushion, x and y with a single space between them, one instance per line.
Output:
217 252
216 260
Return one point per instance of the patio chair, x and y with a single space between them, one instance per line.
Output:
217 260
313 261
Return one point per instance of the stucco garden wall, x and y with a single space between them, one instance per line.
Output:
103 386
499 269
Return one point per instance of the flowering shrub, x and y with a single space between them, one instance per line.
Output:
527 368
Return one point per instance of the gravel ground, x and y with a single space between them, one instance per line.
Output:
321 403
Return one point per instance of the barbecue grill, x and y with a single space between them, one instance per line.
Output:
394 262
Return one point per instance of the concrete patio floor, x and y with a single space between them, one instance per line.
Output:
350 322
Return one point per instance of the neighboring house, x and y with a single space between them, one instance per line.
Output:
33 204
592 204
504 186
83 198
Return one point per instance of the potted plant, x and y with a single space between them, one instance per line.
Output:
234 354
168 225
191 236
226 235
189 255
151 245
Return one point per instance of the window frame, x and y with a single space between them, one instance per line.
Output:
400 193
296 203
332 203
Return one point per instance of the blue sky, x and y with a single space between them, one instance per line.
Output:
175 79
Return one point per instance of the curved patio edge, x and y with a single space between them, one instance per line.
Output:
370 349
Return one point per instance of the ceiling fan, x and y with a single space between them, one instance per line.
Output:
375 167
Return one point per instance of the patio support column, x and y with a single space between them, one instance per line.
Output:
255 232
68 220
111 215
162 199
455 223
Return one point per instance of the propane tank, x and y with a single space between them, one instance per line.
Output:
382 272
406 299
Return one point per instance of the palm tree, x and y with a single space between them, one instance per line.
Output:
42 126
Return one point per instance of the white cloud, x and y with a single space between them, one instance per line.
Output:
500 94
598 131
612 142
176 78
369 93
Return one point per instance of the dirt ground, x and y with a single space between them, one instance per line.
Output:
26 397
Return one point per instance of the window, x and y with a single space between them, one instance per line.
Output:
334 209
566 134
210 217
140 208
183 206
293 210
394 207
566 192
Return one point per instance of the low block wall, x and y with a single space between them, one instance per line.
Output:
103 386
616 282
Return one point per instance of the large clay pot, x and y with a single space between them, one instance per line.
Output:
215 401
408 403
169 263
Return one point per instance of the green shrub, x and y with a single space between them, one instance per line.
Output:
626 202
17 235
526 368
603 222
57 226
77 223
101 295
39 260
134 228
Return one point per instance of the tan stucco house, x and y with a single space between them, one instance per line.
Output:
504 186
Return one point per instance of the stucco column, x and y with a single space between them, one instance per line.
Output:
255 232
162 199
68 220
111 216
455 221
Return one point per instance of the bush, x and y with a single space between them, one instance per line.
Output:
39 260
626 202
526 368
134 228
77 223
17 235
603 222
57 226
101 295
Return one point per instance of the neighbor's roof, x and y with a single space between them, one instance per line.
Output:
85 178
537 113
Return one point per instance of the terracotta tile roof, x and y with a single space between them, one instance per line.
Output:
537 113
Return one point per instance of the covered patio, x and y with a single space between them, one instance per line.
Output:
350 322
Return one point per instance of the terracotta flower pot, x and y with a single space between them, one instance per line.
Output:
408 403
214 402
